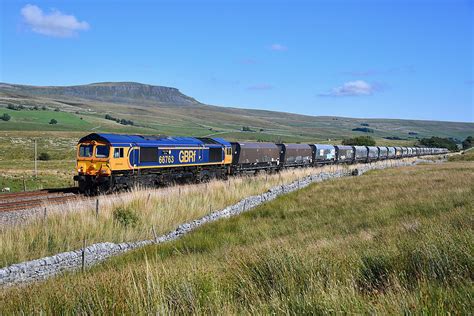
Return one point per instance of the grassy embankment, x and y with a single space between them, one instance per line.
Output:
392 241
67 225
467 155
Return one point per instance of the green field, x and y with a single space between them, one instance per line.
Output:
396 241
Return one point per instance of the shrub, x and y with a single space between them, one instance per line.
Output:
126 122
363 129
125 216
468 142
53 121
44 156
359 141
364 124
5 117
44 108
439 142
56 110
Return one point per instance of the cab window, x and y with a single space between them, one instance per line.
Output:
85 150
118 152
102 151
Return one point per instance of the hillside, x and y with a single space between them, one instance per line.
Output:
334 247
105 91
163 110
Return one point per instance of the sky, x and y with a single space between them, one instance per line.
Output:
367 59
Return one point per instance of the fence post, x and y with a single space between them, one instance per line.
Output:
83 255
24 184
148 198
44 214
97 208
154 233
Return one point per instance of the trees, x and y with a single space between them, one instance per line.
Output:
439 142
468 142
363 129
5 117
53 121
359 141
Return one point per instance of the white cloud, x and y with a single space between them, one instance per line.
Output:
54 24
278 47
352 88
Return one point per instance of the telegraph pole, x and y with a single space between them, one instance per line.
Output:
36 163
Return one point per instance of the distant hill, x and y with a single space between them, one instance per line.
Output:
106 91
165 110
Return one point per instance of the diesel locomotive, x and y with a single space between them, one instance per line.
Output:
109 162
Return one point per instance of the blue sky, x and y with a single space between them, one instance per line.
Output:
388 59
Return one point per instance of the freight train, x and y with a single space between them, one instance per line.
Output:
110 162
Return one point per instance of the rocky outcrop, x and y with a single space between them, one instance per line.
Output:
126 92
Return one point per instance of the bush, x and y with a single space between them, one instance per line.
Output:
44 108
359 141
53 121
5 117
126 122
468 142
363 129
56 110
44 156
439 142
125 217
364 124
246 129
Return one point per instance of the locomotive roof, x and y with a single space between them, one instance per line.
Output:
143 140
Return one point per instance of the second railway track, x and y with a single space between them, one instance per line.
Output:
35 199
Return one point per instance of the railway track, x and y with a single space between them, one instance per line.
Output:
35 199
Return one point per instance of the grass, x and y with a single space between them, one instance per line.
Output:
467 155
164 208
389 242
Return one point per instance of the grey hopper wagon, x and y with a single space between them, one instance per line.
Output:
383 152
404 152
323 154
391 152
360 153
398 152
295 155
344 154
373 154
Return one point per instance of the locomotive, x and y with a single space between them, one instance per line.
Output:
110 162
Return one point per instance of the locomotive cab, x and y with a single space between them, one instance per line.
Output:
93 166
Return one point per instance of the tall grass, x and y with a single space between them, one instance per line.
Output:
67 225
390 242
